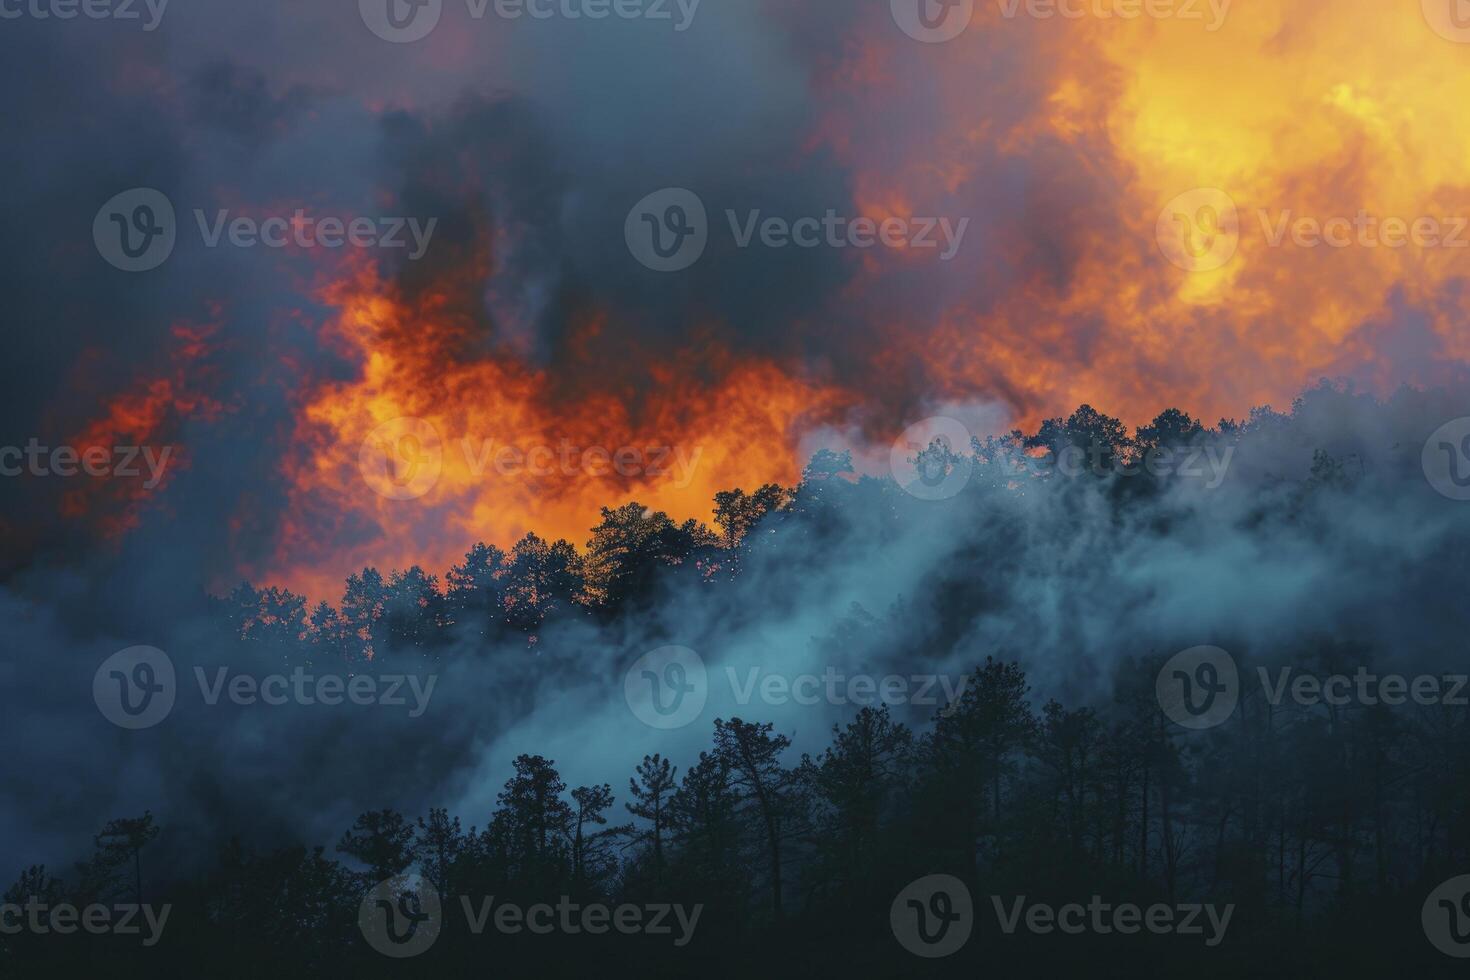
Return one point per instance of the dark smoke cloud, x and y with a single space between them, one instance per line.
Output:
1281 560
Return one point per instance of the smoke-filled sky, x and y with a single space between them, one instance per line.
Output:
1057 140
1124 209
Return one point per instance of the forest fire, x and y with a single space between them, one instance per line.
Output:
501 456
713 489
1061 293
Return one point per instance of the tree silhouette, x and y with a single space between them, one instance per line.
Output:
382 840
122 841
752 754
652 792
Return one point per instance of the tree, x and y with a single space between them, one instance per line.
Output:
857 779
364 603
737 514
629 548
1098 442
753 755
651 793
332 641
536 818
413 612
704 814
476 591
592 860
34 883
1067 746
122 841
437 847
539 579
969 753
382 840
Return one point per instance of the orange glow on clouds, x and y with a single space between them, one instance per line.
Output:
1062 140
493 455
